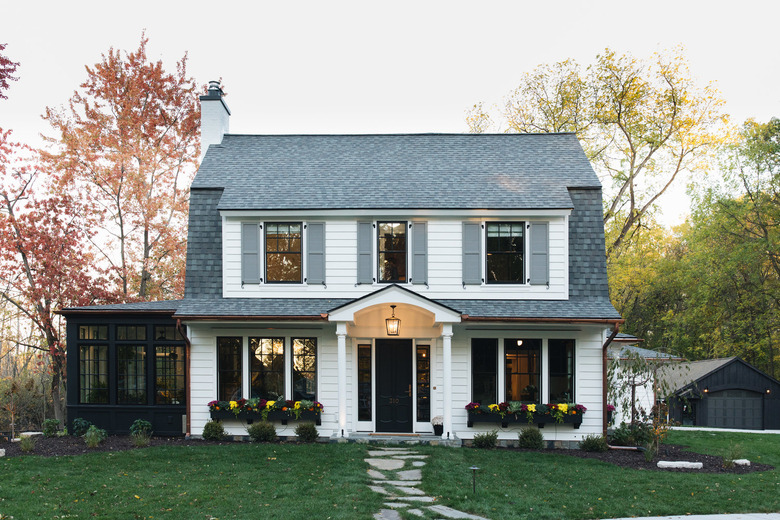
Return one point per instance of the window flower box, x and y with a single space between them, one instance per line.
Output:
259 409
518 413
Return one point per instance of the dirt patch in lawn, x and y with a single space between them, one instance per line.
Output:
669 452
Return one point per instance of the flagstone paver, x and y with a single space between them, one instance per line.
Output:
454 513
410 490
376 474
411 474
388 514
398 485
395 453
387 464
397 482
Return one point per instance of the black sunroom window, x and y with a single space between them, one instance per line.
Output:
131 374
504 252
392 251
93 374
169 374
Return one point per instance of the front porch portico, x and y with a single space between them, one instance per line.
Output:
384 407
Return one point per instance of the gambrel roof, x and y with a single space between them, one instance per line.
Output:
402 171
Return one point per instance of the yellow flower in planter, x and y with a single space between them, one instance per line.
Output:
297 405
531 408
563 407
493 408
233 405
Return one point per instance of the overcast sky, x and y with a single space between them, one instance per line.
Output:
380 67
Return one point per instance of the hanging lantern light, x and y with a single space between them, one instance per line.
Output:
393 324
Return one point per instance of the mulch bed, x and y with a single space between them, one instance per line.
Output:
69 445
56 446
670 452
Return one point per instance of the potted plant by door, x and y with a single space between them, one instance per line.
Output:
438 425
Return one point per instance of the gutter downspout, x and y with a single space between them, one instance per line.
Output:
604 376
187 346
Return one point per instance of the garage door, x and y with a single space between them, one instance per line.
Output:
735 409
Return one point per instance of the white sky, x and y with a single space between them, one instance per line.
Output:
380 67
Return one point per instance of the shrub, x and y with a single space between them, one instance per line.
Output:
94 436
27 443
650 451
306 433
637 434
213 431
141 440
140 426
51 427
733 452
80 426
530 438
486 441
262 431
594 443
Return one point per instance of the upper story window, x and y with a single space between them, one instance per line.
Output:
504 252
392 251
283 252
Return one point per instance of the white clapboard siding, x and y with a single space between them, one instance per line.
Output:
444 265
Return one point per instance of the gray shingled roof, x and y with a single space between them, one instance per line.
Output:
625 350
680 375
437 171
313 307
159 306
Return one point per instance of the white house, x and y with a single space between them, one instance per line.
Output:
488 249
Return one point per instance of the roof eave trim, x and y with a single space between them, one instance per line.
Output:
235 317
69 312
598 321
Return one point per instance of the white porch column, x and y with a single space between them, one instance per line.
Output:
341 332
446 335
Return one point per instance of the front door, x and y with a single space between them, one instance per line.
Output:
394 385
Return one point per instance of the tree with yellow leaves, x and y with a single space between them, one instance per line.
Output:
643 124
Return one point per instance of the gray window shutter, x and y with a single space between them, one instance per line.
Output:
365 252
540 256
250 252
472 253
315 252
419 252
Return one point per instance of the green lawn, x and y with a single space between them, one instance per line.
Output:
316 482
540 486
235 481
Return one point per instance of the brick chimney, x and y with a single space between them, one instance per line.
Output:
214 117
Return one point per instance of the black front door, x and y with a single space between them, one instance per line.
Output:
394 385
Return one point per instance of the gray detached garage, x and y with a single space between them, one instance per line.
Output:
723 393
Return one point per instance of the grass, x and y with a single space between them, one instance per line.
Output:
329 481
550 485
205 482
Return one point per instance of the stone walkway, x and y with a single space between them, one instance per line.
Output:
396 473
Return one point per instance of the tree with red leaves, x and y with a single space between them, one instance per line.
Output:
7 69
44 261
129 140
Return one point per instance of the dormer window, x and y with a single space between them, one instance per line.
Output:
392 251
283 252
